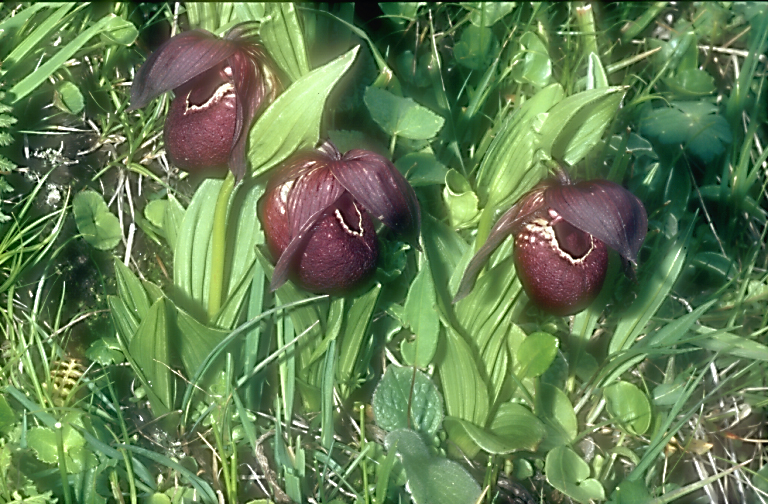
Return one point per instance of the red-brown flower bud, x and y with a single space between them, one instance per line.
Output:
316 215
561 231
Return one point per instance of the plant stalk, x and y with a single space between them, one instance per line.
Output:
219 246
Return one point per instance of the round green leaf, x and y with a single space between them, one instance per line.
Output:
392 395
69 98
535 354
487 13
98 226
461 201
629 406
535 67
568 472
476 48
120 31
401 116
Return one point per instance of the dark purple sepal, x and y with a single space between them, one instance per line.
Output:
605 210
176 62
379 186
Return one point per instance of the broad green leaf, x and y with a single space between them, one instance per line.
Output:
514 428
420 314
629 406
535 354
508 169
556 411
99 227
535 67
431 479
576 124
407 398
131 291
568 472
166 215
292 121
691 82
192 255
125 321
283 38
487 13
150 350
461 200
695 124
105 351
195 341
43 441
464 391
476 47
596 75
422 168
356 323
68 98
401 117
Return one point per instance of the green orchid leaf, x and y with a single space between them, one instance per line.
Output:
420 314
292 121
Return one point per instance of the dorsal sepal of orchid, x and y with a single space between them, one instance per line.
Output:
605 210
177 61
379 186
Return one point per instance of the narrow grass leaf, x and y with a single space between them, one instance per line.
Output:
354 332
663 272
41 74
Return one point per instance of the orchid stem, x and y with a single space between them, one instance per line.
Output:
219 246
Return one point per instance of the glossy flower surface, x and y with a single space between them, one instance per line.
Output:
562 231
220 87
317 217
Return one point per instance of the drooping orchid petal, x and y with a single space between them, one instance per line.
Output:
509 223
319 231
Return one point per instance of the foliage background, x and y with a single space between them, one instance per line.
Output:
119 384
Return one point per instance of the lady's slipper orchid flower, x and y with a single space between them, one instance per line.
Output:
316 215
221 85
561 231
